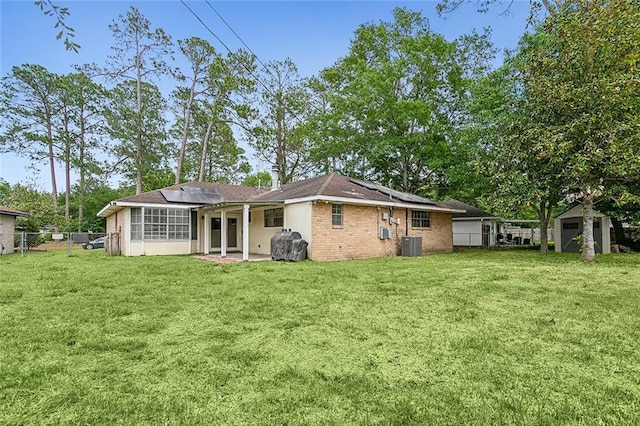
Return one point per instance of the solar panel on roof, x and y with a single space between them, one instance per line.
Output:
403 196
192 195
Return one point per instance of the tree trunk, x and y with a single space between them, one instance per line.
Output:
67 192
139 148
67 168
185 132
618 231
544 226
82 171
203 154
52 168
588 246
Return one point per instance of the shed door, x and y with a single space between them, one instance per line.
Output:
597 234
572 227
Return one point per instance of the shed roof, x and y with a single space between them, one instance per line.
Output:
11 212
471 212
575 210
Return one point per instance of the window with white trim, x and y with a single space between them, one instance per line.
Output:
160 223
336 214
420 219
136 223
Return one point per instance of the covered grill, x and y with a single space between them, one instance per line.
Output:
288 245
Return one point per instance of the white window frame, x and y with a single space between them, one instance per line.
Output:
337 215
160 224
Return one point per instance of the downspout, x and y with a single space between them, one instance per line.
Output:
406 222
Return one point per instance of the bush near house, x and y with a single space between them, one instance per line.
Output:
471 337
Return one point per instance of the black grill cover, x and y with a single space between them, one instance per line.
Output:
288 245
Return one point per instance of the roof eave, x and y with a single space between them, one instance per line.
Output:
390 203
480 218
116 206
14 214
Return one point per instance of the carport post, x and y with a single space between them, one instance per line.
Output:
245 232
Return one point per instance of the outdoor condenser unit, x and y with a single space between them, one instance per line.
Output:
411 246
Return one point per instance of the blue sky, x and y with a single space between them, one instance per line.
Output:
313 34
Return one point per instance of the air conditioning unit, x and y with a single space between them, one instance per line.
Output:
411 246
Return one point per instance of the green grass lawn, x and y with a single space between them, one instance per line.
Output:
467 338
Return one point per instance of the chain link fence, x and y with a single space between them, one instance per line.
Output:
34 242
514 236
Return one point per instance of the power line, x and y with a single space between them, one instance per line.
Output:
225 46
240 38
266 68
266 88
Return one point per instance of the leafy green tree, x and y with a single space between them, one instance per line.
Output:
89 101
140 53
213 152
508 126
276 133
79 127
200 56
151 151
259 179
29 103
583 72
29 199
398 96
92 201
60 14
549 6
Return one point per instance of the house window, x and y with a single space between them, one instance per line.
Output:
160 224
420 219
274 218
136 223
336 214
194 225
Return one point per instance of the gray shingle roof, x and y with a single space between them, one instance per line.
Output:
335 185
471 211
331 185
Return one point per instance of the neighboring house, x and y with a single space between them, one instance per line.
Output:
474 227
7 228
340 218
568 227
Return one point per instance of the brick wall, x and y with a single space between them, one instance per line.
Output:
439 237
358 237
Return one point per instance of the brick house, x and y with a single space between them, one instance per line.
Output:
340 217
7 228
